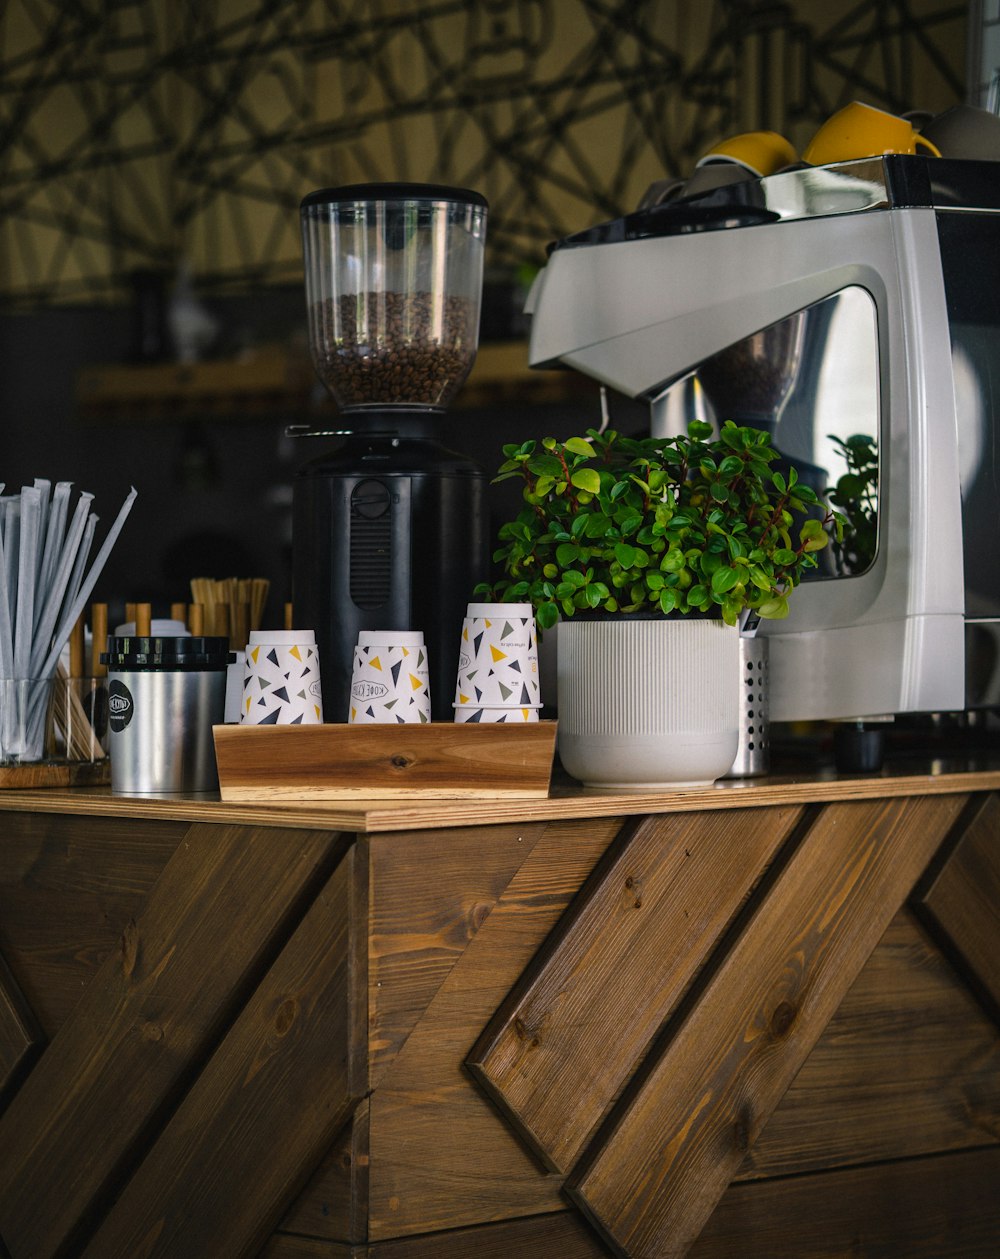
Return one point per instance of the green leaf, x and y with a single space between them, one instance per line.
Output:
625 554
698 596
724 579
566 553
545 465
783 556
586 479
775 609
580 446
595 525
667 600
546 614
544 485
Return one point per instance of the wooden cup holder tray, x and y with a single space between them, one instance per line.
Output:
450 760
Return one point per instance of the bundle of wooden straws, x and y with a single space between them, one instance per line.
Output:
233 605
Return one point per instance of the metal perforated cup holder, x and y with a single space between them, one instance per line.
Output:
753 755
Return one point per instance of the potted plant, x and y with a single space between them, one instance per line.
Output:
651 551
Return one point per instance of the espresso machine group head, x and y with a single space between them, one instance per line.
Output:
389 527
820 303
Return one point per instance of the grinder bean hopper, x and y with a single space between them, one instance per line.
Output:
389 529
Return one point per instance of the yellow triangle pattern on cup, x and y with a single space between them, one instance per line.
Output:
415 682
497 653
462 699
294 651
376 663
254 654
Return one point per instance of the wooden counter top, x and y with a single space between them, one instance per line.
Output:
920 775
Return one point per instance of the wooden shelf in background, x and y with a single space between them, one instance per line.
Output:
280 379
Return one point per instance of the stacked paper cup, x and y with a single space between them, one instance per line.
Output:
390 682
498 664
281 684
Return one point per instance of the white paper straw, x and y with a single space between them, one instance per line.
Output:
43 487
82 556
55 531
12 542
6 628
70 619
56 593
24 623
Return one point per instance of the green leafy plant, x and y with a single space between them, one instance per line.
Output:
856 492
684 524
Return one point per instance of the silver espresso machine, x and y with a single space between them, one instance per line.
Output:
854 311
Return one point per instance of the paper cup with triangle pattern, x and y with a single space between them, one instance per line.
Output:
390 682
498 664
281 684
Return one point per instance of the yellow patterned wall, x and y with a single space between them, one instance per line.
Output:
138 134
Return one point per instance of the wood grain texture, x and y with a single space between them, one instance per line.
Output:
560 1236
55 774
68 886
943 1207
20 1033
652 1180
441 1156
566 799
448 760
962 901
222 906
932 1208
908 1065
271 1098
430 895
572 1031
334 1202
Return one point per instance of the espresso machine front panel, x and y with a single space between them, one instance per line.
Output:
643 303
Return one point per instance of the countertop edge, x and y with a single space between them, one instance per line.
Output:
565 802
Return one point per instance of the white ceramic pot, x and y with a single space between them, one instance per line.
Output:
648 703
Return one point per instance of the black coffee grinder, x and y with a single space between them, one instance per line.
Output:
389 527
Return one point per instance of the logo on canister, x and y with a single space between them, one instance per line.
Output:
121 706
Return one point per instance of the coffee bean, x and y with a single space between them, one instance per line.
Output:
394 348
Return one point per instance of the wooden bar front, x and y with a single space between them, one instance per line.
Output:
757 1019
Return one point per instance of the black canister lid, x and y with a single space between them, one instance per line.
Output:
137 653
393 192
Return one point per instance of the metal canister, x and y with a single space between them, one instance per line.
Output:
164 696
753 755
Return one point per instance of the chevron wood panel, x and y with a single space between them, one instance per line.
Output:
273 1095
961 900
573 1030
19 1030
680 1135
441 1156
908 1065
142 1027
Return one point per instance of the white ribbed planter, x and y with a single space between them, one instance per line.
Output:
648 703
